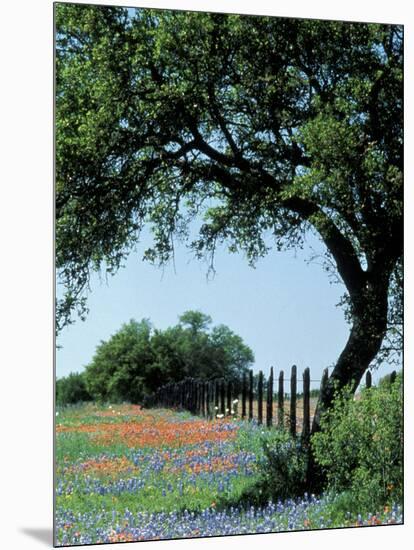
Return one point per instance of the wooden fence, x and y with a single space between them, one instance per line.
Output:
217 398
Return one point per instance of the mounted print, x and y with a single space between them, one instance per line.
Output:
229 274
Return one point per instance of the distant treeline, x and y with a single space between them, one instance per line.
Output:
139 358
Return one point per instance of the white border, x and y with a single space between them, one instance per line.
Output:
26 349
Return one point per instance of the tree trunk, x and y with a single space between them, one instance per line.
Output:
369 326
365 339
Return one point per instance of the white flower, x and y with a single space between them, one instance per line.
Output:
119 412
235 401
110 407
216 408
227 410
220 415
232 412
57 413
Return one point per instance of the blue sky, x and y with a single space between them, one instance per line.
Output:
284 309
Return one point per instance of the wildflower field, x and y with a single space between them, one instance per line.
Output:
128 474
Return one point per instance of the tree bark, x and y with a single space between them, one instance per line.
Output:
369 309
367 333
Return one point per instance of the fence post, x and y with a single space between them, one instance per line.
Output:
250 395
260 398
293 401
269 412
198 403
182 394
188 392
203 398
199 397
229 403
324 381
195 400
207 394
216 395
324 384
368 379
280 401
244 395
222 397
306 406
194 392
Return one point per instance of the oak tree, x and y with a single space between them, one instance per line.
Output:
253 125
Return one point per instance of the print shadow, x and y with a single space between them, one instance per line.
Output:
44 535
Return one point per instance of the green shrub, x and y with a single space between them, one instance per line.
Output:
360 446
281 469
284 467
71 389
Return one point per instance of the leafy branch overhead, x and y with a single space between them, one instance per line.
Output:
255 125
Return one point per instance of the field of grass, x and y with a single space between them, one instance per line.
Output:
127 474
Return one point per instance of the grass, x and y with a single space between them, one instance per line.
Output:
129 474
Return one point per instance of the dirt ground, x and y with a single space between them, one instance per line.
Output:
286 410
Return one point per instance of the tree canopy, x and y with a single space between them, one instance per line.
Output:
138 358
257 126
71 389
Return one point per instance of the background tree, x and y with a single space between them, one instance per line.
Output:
118 369
192 349
169 361
256 126
231 353
138 359
196 321
72 389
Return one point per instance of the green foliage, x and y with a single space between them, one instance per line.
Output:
71 389
360 446
255 125
285 465
195 320
281 462
117 370
385 380
138 358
